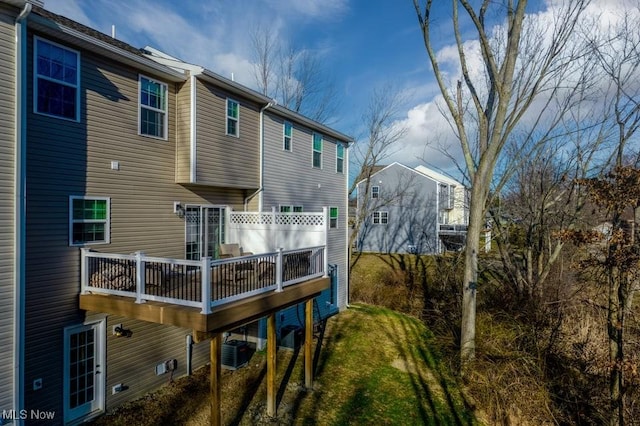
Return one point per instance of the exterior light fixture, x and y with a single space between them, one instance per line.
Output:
122 332
178 209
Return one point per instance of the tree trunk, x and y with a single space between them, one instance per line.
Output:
468 324
614 328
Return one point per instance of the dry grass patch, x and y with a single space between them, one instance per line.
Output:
375 367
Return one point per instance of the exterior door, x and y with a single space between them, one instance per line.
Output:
205 231
84 361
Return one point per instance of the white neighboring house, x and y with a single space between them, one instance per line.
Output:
411 210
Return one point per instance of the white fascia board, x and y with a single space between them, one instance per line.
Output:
394 164
437 176
175 64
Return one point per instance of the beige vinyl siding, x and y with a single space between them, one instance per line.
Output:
290 179
7 158
138 356
183 133
67 158
224 160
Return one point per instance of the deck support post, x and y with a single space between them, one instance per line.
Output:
308 343
271 365
214 378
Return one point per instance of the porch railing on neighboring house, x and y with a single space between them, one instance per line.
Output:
452 229
204 283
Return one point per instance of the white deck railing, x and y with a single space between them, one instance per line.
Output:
204 283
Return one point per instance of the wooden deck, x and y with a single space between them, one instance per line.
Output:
223 318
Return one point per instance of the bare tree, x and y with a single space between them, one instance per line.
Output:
485 109
618 53
265 45
295 77
538 194
383 131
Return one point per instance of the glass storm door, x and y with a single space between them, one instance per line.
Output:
204 231
84 366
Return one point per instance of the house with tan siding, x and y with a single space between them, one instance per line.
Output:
124 174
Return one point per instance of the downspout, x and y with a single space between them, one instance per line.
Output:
189 343
20 207
261 187
347 230
192 132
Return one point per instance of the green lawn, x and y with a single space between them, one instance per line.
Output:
375 367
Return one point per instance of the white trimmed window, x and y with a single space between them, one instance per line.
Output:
287 136
333 217
289 209
380 218
153 108
340 158
317 150
375 192
89 220
233 118
57 80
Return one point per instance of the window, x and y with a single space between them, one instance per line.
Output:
317 150
153 108
233 118
287 135
333 217
375 192
380 218
57 80
340 158
289 209
89 217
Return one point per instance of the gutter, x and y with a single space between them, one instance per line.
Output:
20 208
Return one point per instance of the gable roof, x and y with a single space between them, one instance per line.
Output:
422 171
437 176
67 30
378 168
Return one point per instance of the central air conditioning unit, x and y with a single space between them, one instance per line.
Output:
235 354
291 337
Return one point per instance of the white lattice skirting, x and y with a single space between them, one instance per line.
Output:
298 219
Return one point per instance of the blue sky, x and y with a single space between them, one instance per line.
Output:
363 44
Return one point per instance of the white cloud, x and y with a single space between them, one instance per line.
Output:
428 140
